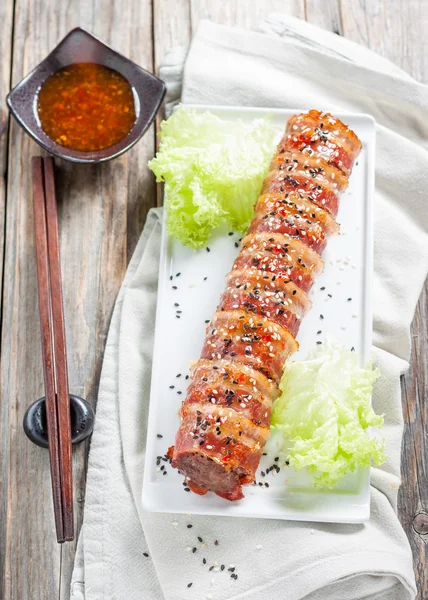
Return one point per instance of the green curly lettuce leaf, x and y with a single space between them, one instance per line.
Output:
213 172
324 413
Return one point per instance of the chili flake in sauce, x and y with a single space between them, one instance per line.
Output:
86 107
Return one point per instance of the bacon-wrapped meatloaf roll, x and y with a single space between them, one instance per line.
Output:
226 413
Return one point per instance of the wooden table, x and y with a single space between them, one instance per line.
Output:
102 212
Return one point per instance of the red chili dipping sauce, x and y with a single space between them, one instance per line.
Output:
86 107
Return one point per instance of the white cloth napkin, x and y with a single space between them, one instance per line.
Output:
289 64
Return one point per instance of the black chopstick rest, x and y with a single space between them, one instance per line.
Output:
82 421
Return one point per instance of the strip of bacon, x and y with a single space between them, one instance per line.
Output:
262 294
273 210
253 341
284 256
322 135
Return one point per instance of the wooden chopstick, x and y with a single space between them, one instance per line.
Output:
61 372
53 345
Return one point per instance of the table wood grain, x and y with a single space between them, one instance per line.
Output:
102 212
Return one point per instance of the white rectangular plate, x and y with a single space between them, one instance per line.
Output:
347 274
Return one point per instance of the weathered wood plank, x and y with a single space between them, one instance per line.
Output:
242 13
413 494
171 27
6 25
325 14
101 211
395 29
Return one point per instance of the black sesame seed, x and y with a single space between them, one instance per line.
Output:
146 554
171 387
222 567
170 277
189 585
266 484
204 561
329 295
321 316
179 392
205 278
319 332
208 250
174 287
176 304
352 349
187 377
319 343
216 543
322 289
186 489
189 526
164 473
177 274
178 375
349 299
276 459
231 569
200 540
230 233
236 245
159 435
194 550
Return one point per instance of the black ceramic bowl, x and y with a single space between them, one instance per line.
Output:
79 46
